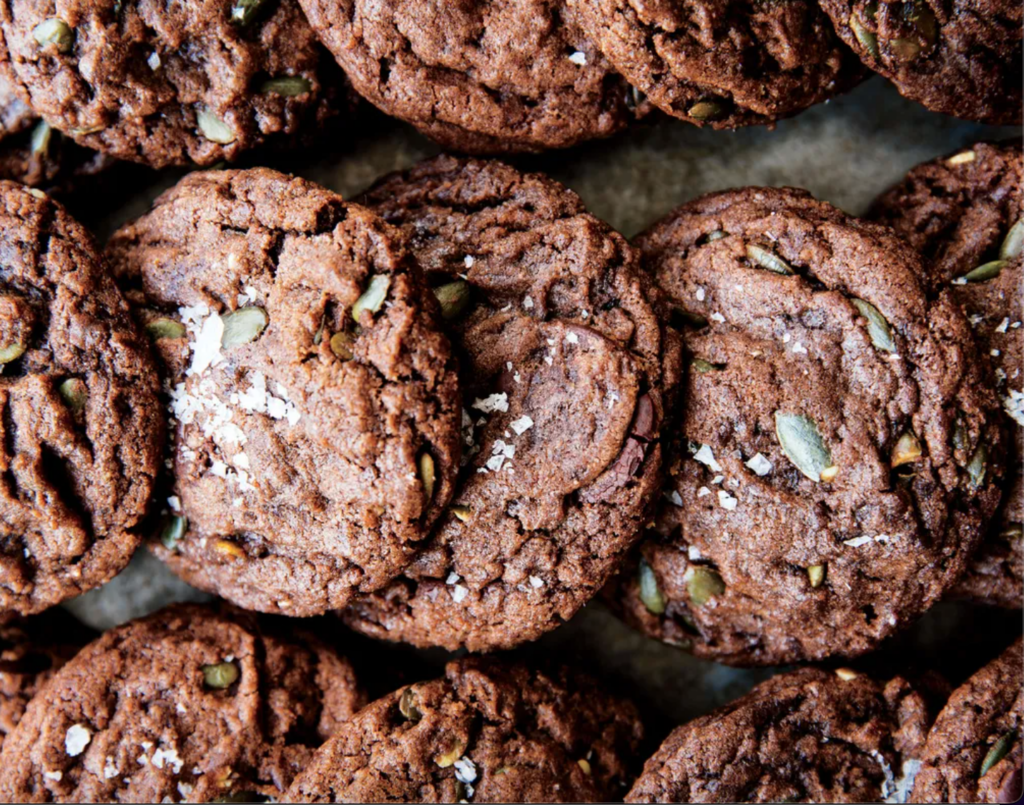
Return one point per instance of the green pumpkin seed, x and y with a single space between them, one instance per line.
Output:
11 353
407 706
1013 243
905 49
907 450
243 326
961 439
998 751
74 393
220 676
42 136
172 532
453 298
816 575
214 129
287 86
373 297
878 327
54 32
803 445
243 12
650 595
341 346
977 466
165 328
986 271
867 38
767 259
462 512
924 21
703 367
426 464
706 110
704 584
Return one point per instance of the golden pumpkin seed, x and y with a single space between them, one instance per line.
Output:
426 463
407 706
816 575
846 674
228 549
905 49
584 764
165 328
221 675
373 297
767 259
54 32
650 594
462 512
998 751
11 353
907 450
963 158
243 326
453 298
1013 243
74 393
341 346
706 110
878 327
42 136
214 129
703 584
803 445
448 758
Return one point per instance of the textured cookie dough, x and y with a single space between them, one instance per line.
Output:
480 76
974 751
79 413
190 704
806 736
560 354
167 84
964 212
314 397
723 63
961 57
839 452
32 650
485 732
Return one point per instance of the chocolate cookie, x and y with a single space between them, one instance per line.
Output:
166 84
479 76
974 751
723 63
188 704
314 397
839 451
961 57
79 412
34 154
31 652
559 351
806 736
964 213
485 732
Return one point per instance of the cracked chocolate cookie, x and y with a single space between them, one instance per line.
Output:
167 84
560 357
485 732
839 451
480 76
190 704
806 736
34 154
79 412
313 395
31 652
961 58
965 214
974 751
723 63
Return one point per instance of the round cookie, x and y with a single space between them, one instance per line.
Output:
314 397
479 76
485 732
32 153
723 63
167 84
838 452
31 652
974 751
79 411
191 704
560 357
806 736
963 212
961 57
